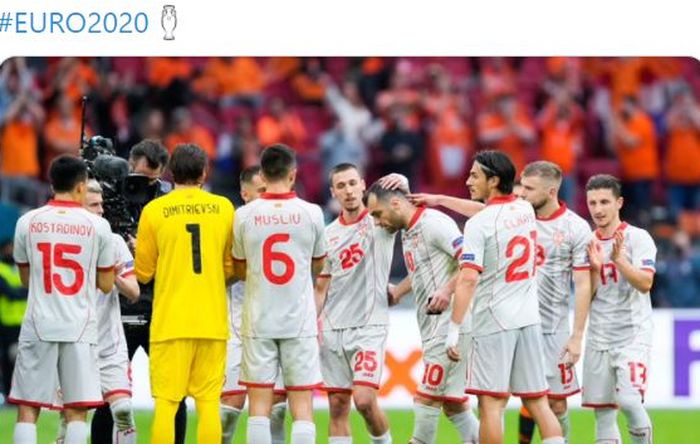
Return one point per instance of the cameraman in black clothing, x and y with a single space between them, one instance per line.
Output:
147 158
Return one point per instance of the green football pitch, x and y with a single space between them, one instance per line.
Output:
670 427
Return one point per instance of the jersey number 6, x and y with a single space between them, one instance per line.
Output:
269 256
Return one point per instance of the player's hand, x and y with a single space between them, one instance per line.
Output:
572 351
394 181
424 199
451 342
439 301
619 251
391 295
595 255
131 243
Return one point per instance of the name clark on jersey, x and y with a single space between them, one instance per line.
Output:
188 209
522 219
59 228
278 219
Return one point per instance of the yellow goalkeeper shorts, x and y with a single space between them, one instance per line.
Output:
187 367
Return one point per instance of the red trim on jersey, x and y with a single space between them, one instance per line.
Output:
301 388
256 384
238 260
324 276
277 196
128 273
649 270
599 406
116 392
559 212
457 254
279 392
415 217
32 403
441 398
563 395
362 215
366 384
233 393
582 268
63 203
83 404
110 268
471 266
620 227
318 258
487 393
22 264
336 390
531 395
501 199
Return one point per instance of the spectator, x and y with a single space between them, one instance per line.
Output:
561 128
497 77
308 84
169 79
62 131
682 156
232 80
186 131
282 125
235 152
678 275
507 128
635 142
401 93
401 145
153 125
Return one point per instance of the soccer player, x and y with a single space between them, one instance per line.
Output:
279 246
233 395
497 285
351 297
618 343
432 243
184 243
62 250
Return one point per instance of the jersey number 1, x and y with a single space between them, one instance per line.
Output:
194 231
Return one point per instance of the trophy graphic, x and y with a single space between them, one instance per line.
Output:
169 21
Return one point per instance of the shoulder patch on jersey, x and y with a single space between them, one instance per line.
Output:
648 262
467 257
458 242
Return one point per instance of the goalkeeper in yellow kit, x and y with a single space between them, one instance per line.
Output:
184 243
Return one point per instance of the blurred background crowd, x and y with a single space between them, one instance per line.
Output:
424 117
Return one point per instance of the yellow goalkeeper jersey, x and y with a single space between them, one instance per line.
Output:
184 244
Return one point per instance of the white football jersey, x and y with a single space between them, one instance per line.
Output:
109 315
562 242
500 242
620 313
358 264
278 235
64 246
431 245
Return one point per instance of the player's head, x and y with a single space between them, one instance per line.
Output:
69 175
540 182
390 209
252 184
279 164
93 198
604 199
347 186
149 158
492 174
188 164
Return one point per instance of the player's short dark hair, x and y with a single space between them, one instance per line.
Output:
382 194
497 164
66 172
345 166
543 168
605 182
248 173
187 163
152 150
277 161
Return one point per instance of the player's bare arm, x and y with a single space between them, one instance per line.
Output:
441 298
595 258
317 266
641 280
320 291
463 295
465 207
127 286
582 305
24 275
105 280
239 270
396 292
